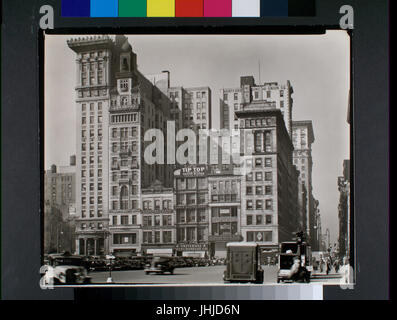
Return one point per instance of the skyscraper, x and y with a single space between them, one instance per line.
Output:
116 105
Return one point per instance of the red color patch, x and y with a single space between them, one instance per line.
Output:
189 8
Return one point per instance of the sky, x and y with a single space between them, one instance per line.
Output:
318 67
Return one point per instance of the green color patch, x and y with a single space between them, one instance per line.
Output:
132 8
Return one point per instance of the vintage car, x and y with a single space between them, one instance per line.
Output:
160 265
65 269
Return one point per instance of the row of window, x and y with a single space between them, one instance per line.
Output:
91 146
258 162
191 183
258 219
91 213
91 173
85 226
92 134
224 212
259 204
155 237
92 107
260 236
224 197
261 122
259 190
191 199
156 204
268 175
123 119
91 200
92 120
91 187
191 234
92 54
157 220
224 228
91 159
191 215
124 204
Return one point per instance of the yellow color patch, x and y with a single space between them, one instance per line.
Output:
161 8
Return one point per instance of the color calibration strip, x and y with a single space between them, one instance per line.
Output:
187 8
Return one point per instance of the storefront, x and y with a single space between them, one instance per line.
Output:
199 250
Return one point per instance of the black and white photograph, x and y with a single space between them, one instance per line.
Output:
197 159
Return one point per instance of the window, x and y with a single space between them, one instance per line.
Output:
191 199
249 190
268 162
167 236
114 220
124 220
268 94
258 190
124 238
258 141
259 204
147 237
281 104
235 96
249 205
268 219
268 190
268 176
281 93
157 236
268 236
249 177
258 176
268 141
157 220
259 219
249 220
256 95
269 204
225 96
167 220
258 162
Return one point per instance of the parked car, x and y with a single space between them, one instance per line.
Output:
65 268
160 265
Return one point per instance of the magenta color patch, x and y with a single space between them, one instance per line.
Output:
217 8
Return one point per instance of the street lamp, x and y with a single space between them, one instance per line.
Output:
109 257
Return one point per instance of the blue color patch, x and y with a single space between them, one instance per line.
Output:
274 8
75 8
104 8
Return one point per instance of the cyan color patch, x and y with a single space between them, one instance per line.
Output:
104 8
75 8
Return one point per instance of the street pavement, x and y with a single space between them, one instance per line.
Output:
196 275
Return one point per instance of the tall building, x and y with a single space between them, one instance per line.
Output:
269 189
158 220
224 193
344 211
191 106
116 105
302 139
234 99
59 204
60 188
191 203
